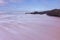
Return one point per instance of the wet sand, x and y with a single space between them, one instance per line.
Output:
29 27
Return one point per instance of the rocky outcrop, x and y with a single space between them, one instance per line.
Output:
54 12
37 13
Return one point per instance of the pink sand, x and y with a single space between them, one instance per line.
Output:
29 27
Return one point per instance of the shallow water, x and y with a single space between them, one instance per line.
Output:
29 27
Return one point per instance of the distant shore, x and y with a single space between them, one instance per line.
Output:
53 12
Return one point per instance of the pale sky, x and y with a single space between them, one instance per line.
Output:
28 5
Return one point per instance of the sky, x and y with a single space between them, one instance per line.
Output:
28 5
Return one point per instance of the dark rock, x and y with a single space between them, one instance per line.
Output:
37 13
55 12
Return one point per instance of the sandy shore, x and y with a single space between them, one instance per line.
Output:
29 27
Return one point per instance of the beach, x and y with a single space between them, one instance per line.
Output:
29 27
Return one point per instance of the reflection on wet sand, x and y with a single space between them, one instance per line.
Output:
29 27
